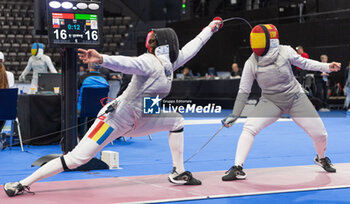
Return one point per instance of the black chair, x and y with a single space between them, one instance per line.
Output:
90 101
8 111
122 29
114 29
118 21
90 106
127 20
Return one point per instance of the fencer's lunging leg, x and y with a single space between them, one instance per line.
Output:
176 144
99 135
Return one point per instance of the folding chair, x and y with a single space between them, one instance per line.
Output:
8 111
90 101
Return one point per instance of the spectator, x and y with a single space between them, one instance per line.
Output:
347 88
126 78
5 80
322 85
300 73
10 80
81 70
187 73
91 79
39 62
236 72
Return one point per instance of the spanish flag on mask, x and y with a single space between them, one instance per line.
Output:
260 37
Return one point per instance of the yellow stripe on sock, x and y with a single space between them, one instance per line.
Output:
99 134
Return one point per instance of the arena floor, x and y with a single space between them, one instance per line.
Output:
283 144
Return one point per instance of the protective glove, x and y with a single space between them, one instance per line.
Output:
216 24
229 120
22 78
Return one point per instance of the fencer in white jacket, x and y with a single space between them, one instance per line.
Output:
271 66
152 76
39 62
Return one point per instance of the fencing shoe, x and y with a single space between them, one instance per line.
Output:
325 163
16 188
184 178
234 173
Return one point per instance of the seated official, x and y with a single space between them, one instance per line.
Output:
187 73
236 72
92 79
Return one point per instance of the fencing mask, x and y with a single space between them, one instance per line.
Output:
167 39
37 49
262 38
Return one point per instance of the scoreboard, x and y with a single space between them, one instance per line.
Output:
75 24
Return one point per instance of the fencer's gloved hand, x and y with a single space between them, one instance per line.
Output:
229 120
22 78
216 24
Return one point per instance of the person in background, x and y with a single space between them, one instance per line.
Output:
236 72
321 79
187 73
300 73
39 62
81 70
10 77
92 79
126 78
6 81
347 88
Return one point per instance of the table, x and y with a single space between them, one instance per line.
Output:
39 115
203 91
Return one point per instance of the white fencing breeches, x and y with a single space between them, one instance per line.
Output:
266 113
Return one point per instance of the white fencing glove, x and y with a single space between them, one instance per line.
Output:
229 120
22 78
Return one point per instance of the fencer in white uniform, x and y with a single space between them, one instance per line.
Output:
39 62
270 65
152 76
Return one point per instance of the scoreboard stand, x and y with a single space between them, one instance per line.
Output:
73 24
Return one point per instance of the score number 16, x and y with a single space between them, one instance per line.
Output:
63 34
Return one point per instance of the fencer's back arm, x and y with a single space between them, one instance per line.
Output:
245 86
50 65
192 47
306 64
141 65
28 67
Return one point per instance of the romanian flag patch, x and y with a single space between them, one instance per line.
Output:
101 132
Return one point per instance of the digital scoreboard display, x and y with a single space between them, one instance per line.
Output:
79 26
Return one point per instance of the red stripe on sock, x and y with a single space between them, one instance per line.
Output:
96 129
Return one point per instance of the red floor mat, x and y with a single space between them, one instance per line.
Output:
156 188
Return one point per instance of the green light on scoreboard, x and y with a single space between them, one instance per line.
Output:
85 16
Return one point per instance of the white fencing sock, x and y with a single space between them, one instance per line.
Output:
51 168
176 143
244 145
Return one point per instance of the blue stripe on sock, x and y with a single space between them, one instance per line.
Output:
105 135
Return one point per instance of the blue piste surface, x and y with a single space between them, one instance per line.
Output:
281 144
